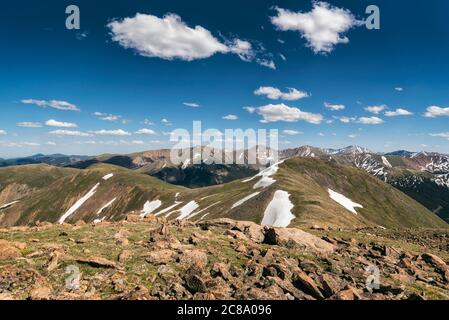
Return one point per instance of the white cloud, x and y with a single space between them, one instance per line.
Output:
59 124
29 124
230 117
118 132
267 63
146 132
323 27
191 104
334 107
171 38
398 112
282 57
108 117
166 122
250 109
370 120
376 109
353 136
441 135
292 132
137 142
55 104
69 133
435 111
282 112
50 143
399 89
276 94
345 119
148 122
30 144
2 132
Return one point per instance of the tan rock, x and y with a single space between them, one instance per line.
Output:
194 258
124 256
40 292
291 237
349 293
302 281
97 262
6 297
163 256
54 261
9 250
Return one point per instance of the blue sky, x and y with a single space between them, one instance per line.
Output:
93 90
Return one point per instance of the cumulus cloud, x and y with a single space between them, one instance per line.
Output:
230 117
435 111
118 132
191 104
59 124
282 112
171 38
109 117
353 136
398 112
250 109
292 132
322 28
376 109
345 119
276 94
166 122
29 124
69 133
3 132
146 132
370 120
334 107
399 89
55 104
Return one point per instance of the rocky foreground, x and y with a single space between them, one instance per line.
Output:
220 259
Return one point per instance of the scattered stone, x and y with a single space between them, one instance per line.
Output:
40 292
97 262
163 256
290 237
124 256
303 282
194 258
9 250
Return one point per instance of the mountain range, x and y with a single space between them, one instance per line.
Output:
350 187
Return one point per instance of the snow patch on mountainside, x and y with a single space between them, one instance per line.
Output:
106 205
242 201
108 176
386 162
266 176
202 210
187 210
79 203
150 207
344 201
278 212
177 203
8 205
